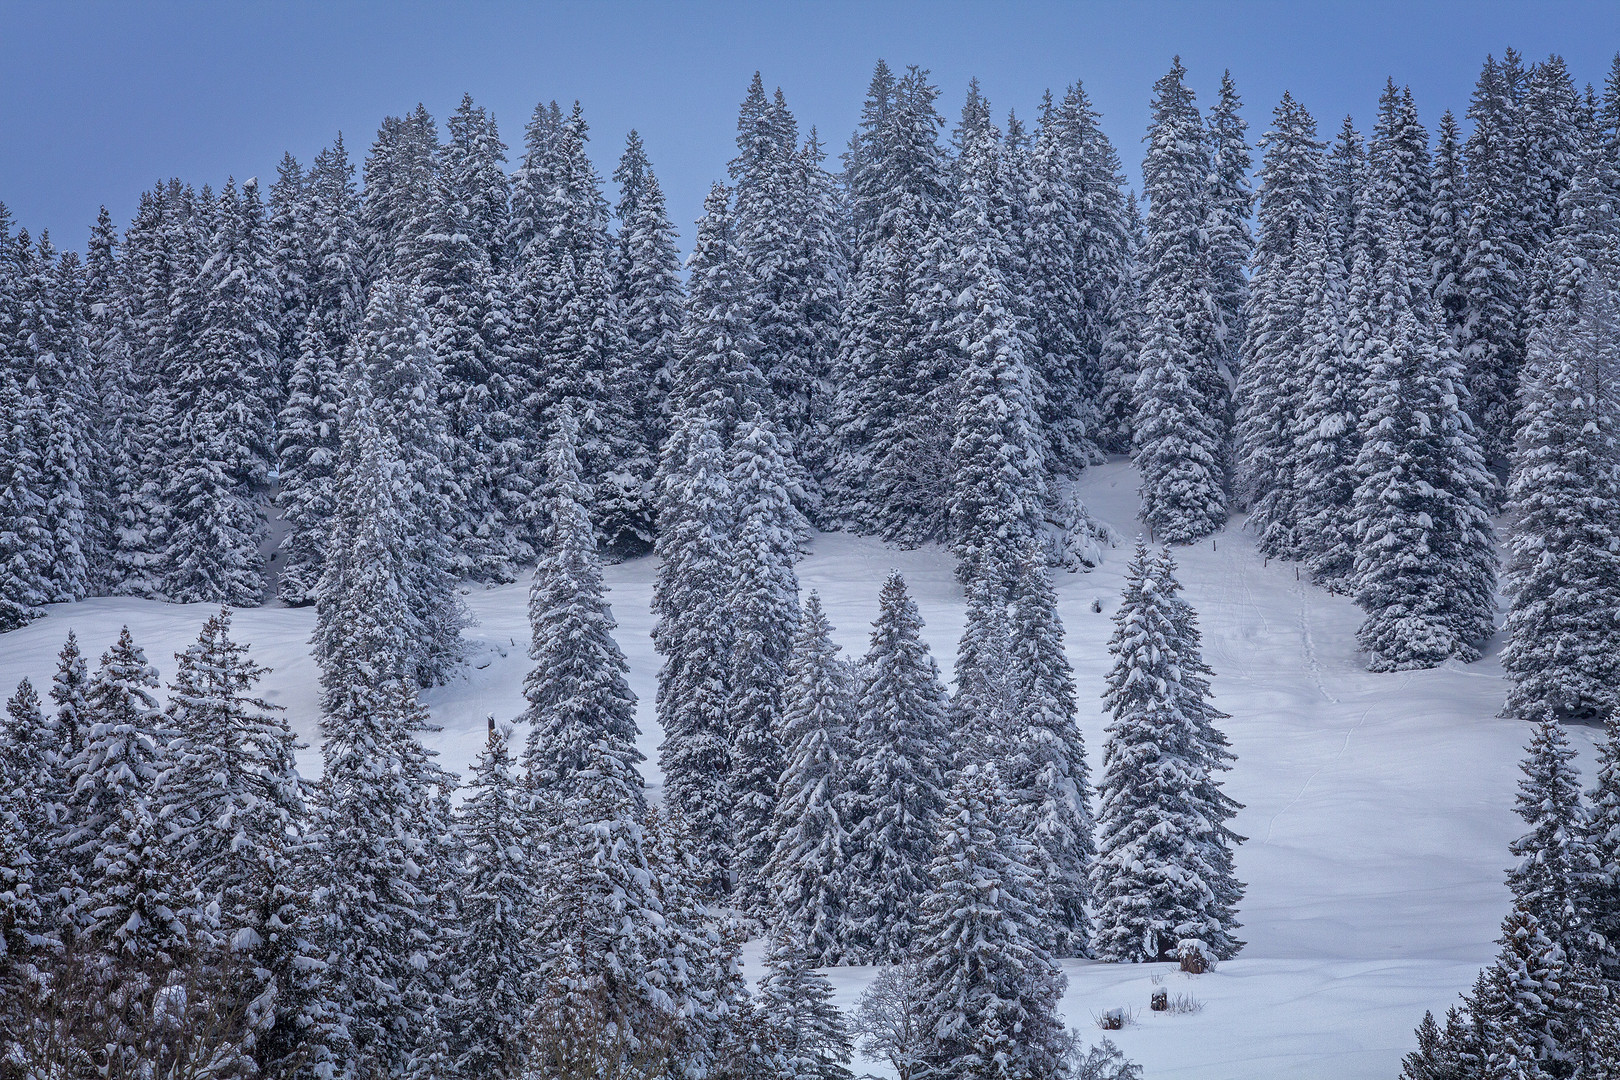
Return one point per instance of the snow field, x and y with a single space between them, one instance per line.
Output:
1378 807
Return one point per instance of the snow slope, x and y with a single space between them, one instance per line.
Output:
1378 807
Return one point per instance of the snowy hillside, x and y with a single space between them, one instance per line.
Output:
1378 807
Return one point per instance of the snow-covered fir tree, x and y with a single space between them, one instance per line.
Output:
980 706
1181 403
715 370
1556 864
647 284
581 713
999 485
1603 838
1077 251
805 1035
307 430
789 272
1273 383
33 766
897 780
1121 347
1425 564
572 350
989 987
1563 573
810 858
50 361
1446 240
889 435
1326 427
114 773
399 178
25 548
764 609
691 594
1397 197
1495 264
1048 775
380 819
450 258
1162 880
1228 203
232 808
222 391
387 588
492 960
287 214
115 411
1551 136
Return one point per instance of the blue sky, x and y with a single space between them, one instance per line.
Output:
100 100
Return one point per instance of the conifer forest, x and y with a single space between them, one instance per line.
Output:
982 602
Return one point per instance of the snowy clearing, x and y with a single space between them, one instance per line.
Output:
1378 807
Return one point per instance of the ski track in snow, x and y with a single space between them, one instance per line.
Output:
1381 806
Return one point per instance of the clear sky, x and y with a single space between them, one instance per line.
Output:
100 100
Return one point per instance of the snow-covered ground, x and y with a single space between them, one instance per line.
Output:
1378 807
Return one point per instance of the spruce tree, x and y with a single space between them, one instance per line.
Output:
492 960
1446 241
1121 348
381 817
137 898
1048 775
1162 881
572 348
764 607
532 211
1181 402
693 636
648 286
716 371
1228 203
114 468
307 430
232 806
450 258
399 178
223 389
999 487
1346 183
902 748
24 542
1326 430
1563 498
1273 384
387 586
809 861
581 712
1556 865
1425 554
889 437
783 240
1603 838
989 988
1491 338
805 1035
114 773
33 767
287 206
52 364
981 705
1550 140
1078 249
